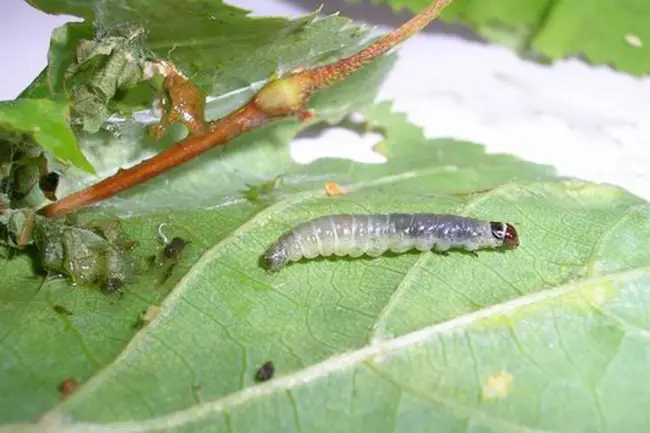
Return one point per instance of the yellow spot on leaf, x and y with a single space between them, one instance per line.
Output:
588 190
150 314
633 40
600 293
497 386
333 188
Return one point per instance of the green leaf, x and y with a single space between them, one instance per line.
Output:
546 337
229 57
615 34
100 326
37 89
47 122
604 32
224 173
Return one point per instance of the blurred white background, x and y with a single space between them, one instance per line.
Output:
589 122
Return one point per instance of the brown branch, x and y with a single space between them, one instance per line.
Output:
282 97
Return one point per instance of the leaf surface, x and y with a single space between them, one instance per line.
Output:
488 343
226 53
605 33
230 56
549 337
217 45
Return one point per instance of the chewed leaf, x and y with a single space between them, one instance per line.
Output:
218 45
228 55
85 255
47 122
100 69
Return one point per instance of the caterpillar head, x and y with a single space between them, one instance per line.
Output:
275 258
505 233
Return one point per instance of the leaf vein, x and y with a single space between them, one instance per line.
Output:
342 361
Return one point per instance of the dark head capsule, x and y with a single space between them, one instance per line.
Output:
275 258
512 239
505 232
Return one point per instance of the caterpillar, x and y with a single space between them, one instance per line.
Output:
373 235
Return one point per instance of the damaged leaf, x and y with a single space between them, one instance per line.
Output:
100 69
82 255
227 55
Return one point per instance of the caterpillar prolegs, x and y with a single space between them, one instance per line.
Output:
373 235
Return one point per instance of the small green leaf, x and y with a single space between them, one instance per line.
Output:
48 123
37 89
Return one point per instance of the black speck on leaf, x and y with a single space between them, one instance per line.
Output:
151 260
139 323
174 248
113 285
265 372
60 309
68 386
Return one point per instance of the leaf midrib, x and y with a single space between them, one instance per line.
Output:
383 315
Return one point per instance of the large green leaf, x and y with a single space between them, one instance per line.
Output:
604 32
538 338
548 337
47 122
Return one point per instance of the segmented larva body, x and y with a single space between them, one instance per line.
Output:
355 235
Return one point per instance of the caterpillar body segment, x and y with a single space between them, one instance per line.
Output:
373 235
